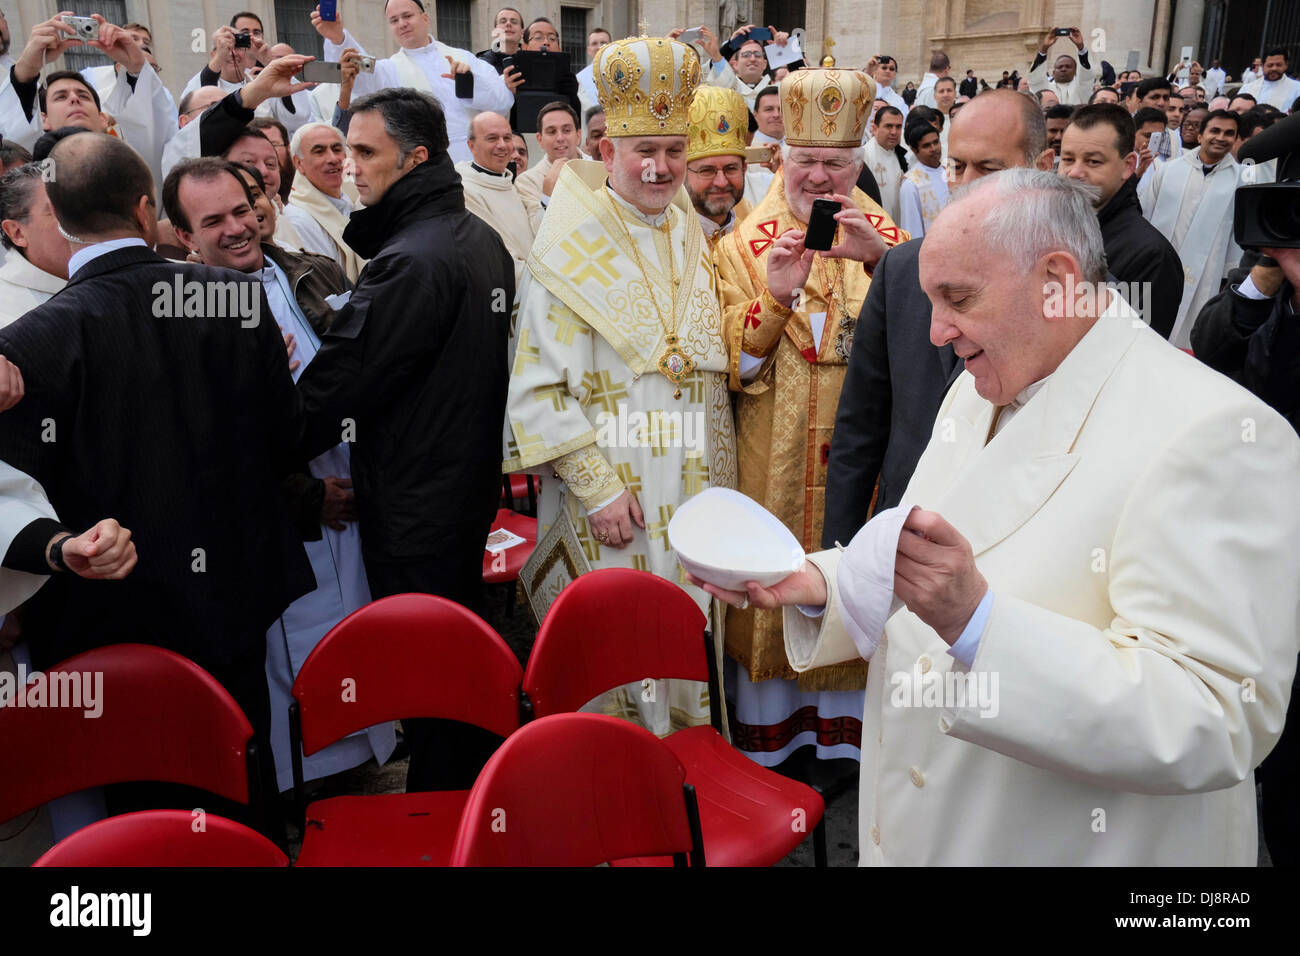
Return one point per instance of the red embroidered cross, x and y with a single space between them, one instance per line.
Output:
751 317
759 246
810 353
889 232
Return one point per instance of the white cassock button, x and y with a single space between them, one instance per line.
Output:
945 725
923 662
918 778
875 835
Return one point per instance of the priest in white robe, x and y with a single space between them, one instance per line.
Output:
36 254
1071 81
882 158
1274 88
490 190
924 189
424 64
619 378
318 206
1190 200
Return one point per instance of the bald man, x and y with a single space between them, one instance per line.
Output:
490 190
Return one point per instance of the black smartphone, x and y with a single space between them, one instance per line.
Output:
243 40
761 34
465 86
821 225
1061 32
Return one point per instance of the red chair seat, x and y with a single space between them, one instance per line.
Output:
396 829
514 558
747 812
164 838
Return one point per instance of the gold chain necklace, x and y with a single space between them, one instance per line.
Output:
675 365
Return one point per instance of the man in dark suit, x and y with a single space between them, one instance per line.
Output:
146 402
896 377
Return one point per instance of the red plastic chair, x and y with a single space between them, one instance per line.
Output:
519 492
617 626
164 838
579 790
163 719
501 570
409 655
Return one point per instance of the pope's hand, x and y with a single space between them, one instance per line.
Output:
612 524
788 266
935 574
806 586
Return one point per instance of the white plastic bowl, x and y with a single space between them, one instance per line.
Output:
726 539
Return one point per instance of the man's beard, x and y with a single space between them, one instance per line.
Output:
718 205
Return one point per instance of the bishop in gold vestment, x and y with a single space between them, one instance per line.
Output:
619 379
788 365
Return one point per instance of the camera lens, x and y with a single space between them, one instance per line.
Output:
1281 222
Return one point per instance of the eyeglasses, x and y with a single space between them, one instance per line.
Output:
731 171
832 165
751 55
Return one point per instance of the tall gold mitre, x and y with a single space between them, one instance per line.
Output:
826 107
719 121
645 85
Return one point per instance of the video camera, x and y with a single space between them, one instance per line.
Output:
1269 214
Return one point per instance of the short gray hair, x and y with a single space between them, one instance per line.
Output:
1039 212
295 144
17 193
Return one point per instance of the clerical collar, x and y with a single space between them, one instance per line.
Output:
488 172
712 229
654 221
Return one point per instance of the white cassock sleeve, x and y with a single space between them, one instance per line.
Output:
22 501
490 90
145 117
15 125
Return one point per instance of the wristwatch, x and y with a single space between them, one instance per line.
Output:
55 555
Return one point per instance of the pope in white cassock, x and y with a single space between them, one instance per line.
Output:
619 378
1094 628
423 64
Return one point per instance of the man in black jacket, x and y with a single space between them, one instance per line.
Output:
1097 148
414 370
897 377
181 425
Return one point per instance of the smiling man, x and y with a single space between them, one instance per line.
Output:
214 212
1117 731
1190 200
318 207
1274 88
424 64
618 322
490 190
789 316
558 135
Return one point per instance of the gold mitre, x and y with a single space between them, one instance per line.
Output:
645 85
826 107
719 121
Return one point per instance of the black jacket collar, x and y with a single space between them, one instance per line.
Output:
428 190
1126 197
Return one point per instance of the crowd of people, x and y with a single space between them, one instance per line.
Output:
266 353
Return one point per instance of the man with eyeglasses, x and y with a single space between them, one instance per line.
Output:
788 317
715 160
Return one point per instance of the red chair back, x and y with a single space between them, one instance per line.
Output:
408 655
577 790
162 718
611 627
164 838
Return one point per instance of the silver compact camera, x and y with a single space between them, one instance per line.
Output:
87 27
367 64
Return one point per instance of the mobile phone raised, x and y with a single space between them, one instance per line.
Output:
1061 32
321 71
692 35
821 225
464 86
329 10
761 34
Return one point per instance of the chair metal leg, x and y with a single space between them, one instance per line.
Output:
819 843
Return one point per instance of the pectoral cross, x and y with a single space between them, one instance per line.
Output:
643 27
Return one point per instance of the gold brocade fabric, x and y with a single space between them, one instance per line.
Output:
786 414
